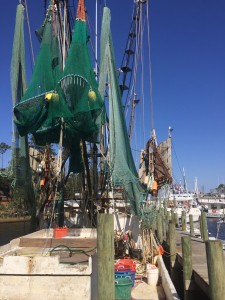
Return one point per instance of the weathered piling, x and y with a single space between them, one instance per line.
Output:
164 226
187 267
174 202
183 221
105 253
168 219
172 246
204 229
165 206
159 228
168 216
172 215
176 219
192 233
216 269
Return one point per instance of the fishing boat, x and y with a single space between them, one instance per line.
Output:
185 202
63 110
212 205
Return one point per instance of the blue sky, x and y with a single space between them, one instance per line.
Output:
188 79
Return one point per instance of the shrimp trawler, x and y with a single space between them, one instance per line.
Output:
73 117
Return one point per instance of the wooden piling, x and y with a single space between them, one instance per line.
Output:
165 207
200 225
172 215
183 221
204 232
164 226
187 266
168 216
105 255
172 245
168 219
216 270
192 232
174 202
159 228
176 219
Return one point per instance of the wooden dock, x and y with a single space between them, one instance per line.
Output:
199 261
196 264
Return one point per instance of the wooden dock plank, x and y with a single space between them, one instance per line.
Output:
52 242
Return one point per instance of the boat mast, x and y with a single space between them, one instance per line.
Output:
185 182
196 186
96 39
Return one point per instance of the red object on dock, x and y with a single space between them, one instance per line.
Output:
60 232
125 264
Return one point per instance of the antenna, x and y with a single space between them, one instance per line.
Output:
170 129
96 39
185 183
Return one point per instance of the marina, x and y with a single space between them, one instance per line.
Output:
90 207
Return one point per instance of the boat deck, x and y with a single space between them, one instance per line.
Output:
70 249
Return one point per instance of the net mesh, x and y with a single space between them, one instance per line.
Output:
69 97
19 164
122 167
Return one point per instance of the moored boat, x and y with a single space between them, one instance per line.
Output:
63 106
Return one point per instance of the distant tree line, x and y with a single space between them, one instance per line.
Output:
3 148
220 189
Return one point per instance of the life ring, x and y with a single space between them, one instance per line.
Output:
213 211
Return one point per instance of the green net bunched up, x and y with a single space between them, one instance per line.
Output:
56 99
79 87
32 109
123 170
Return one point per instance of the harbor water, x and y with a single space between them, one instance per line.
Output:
12 230
216 229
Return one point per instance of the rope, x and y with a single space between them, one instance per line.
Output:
28 24
167 254
150 72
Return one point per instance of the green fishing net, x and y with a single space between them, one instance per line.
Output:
122 167
58 98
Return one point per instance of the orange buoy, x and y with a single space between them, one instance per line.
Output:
154 187
42 182
161 250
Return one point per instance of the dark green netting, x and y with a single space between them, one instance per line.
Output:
22 184
18 85
79 86
123 170
32 109
54 97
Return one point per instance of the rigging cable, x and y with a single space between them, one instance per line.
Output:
176 158
28 24
150 73
142 26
